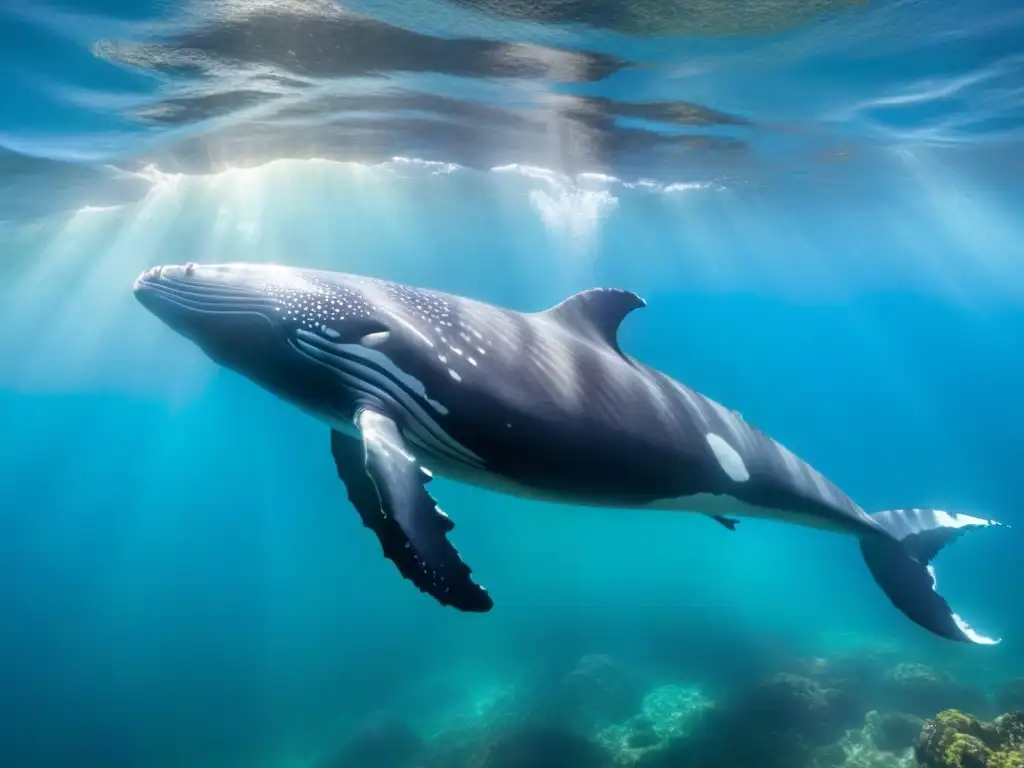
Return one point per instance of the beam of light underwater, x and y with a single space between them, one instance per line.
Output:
937 232
236 214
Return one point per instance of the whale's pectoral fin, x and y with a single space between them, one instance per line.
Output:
386 485
728 522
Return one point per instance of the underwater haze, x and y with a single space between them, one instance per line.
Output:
821 203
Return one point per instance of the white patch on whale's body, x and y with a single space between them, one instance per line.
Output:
375 339
728 457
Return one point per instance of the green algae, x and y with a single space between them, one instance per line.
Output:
954 739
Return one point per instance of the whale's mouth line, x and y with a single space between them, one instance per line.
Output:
210 298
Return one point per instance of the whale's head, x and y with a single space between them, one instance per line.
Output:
296 332
219 307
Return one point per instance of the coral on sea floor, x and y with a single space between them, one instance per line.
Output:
892 731
957 740
782 722
855 750
493 706
667 713
884 741
794 703
460 732
597 715
599 690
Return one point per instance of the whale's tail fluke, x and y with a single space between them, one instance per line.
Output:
901 564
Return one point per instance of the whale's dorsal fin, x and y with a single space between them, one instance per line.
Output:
596 312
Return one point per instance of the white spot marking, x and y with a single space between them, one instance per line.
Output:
728 457
375 339
454 375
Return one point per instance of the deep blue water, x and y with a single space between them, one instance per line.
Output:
823 214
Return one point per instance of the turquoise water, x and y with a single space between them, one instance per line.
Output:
825 225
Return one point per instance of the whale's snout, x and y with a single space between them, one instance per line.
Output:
245 317
229 310
209 302
183 285
147 275
154 275
142 280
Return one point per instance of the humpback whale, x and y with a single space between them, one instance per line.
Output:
543 405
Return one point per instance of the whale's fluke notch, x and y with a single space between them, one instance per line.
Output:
901 564
386 485
597 313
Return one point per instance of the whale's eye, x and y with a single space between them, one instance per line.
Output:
190 268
